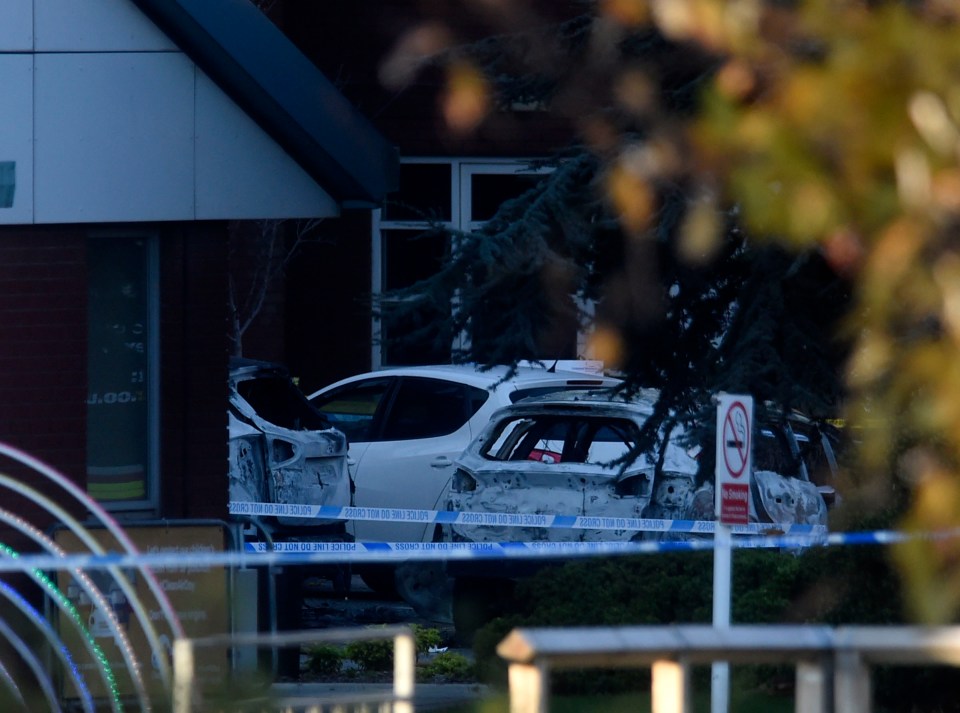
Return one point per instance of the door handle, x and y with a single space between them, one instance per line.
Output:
441 462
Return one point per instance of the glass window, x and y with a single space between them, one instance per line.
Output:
120 380
424 195
490 190
411 255
772 452
410 337
279 401
563 439
426 408
352 408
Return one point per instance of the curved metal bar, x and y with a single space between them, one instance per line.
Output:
108 522
33 663
13 687
83 534
96 596
56 643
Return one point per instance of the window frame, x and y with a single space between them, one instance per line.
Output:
461 172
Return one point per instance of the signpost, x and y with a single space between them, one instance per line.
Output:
733 473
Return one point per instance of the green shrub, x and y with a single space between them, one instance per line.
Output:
325 659
378 655
448 665
425 638
371 655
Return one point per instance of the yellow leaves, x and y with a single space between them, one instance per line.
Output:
715 24
736 80
701 231
411 51
629 191
606 344
931 565
893 254
929 115
871 359
630 13
466 101
945 190
812 211
946 273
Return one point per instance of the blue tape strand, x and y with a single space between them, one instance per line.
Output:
505 519
260 554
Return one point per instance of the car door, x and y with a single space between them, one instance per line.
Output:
409 460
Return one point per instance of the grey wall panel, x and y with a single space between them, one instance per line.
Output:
16 139
114 137
16 25
95 25
242 172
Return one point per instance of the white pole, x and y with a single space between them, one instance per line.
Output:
720 671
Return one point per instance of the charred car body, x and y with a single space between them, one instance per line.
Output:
282 450
573 454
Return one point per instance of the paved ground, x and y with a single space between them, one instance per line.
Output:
427 696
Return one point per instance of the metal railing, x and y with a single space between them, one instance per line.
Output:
187 697
832 664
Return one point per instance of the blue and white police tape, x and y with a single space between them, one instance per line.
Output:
261 554
508 519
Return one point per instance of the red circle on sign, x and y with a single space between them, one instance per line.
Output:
735 448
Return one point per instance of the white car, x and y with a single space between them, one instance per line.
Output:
406 425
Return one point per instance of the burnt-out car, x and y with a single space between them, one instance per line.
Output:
574 454
282 450
565 454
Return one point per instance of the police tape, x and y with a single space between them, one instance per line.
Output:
256 554
509 519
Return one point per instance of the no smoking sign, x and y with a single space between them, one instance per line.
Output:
734 428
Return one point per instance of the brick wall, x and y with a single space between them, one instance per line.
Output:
194 371
43 302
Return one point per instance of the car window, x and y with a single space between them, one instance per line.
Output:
563 439
772 452
426 408
280 402
353 407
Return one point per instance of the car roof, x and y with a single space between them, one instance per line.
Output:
478 375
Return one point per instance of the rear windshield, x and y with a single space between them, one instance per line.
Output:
563 439
280 402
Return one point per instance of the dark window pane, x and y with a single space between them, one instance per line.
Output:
413 337
424 193
411 255
425 408
476 399
492 189
352 408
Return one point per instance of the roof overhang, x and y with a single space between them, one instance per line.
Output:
241 50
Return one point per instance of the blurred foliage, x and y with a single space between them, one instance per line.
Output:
726 146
